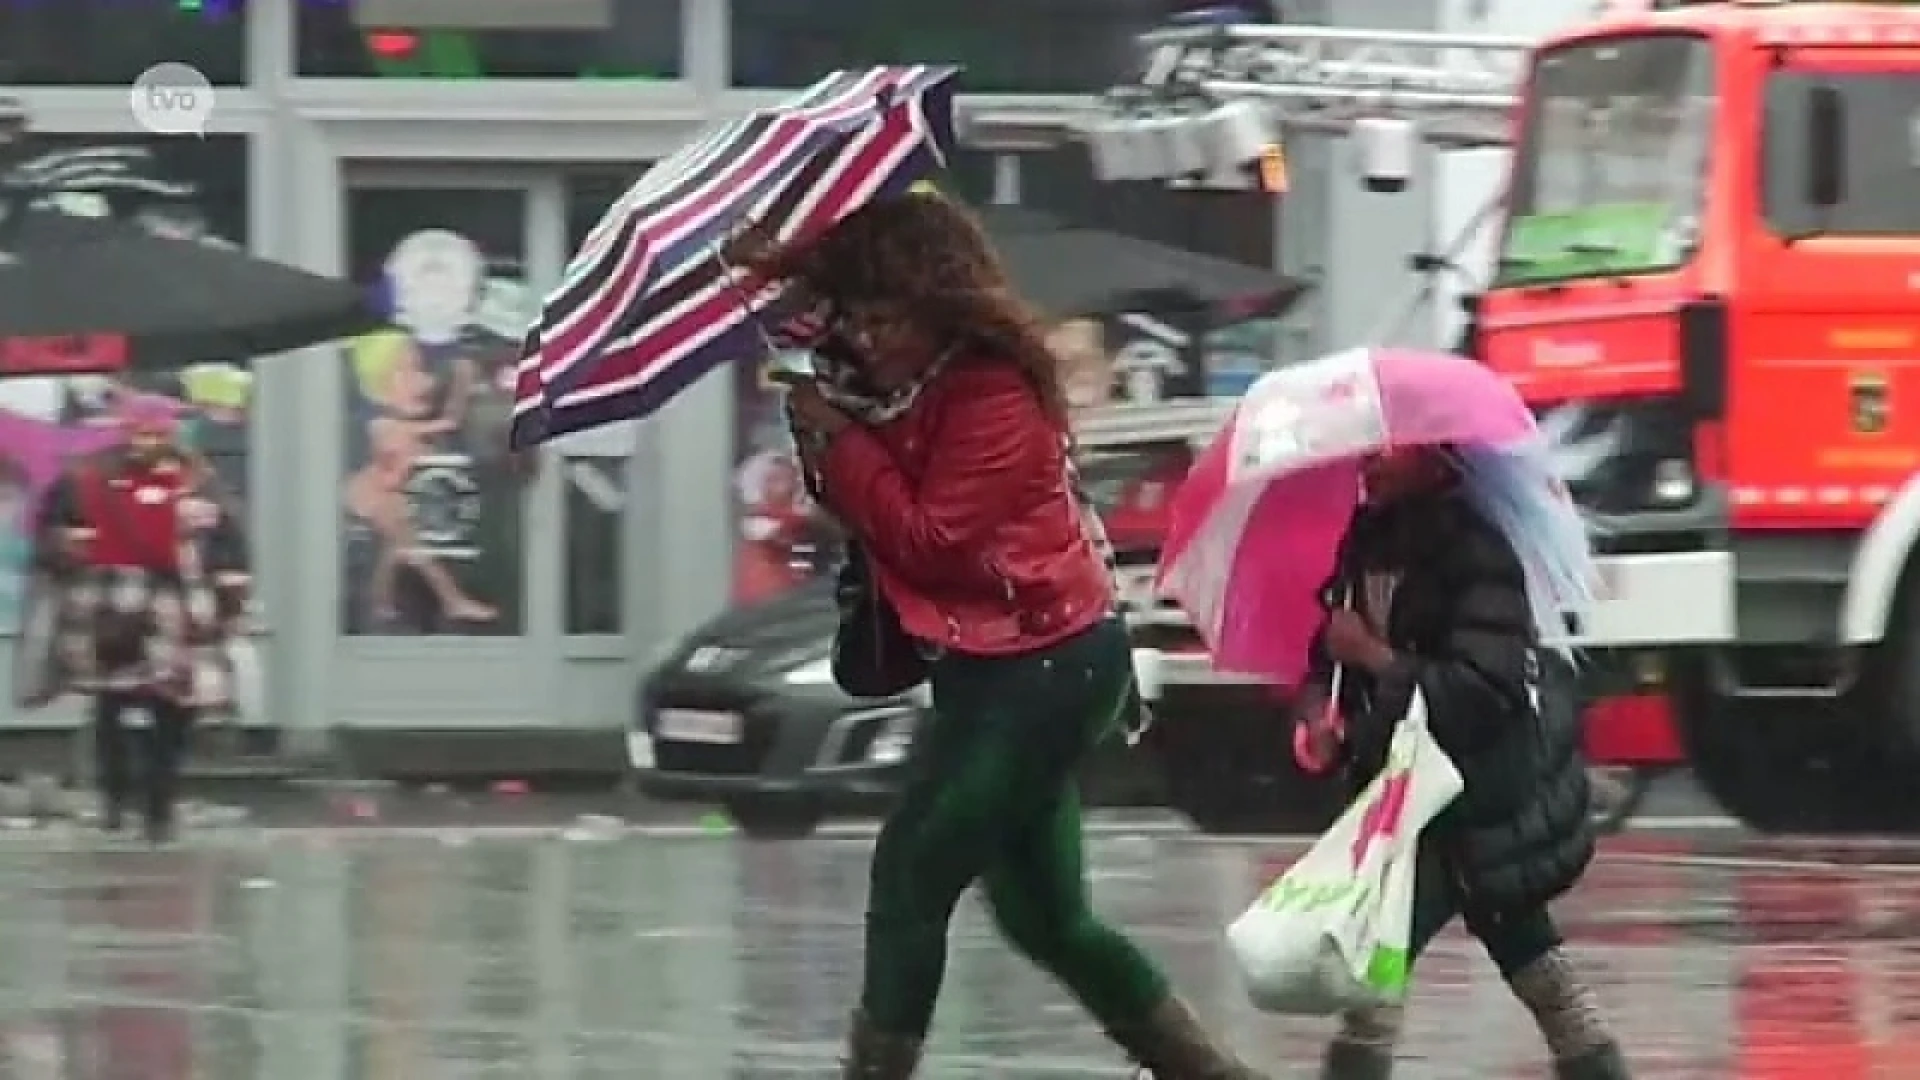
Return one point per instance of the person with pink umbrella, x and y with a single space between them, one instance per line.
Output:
1378 523
146 568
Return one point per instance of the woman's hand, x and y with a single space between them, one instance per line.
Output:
1349 640
1318 731
811 413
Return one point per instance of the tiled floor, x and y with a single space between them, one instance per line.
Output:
566 954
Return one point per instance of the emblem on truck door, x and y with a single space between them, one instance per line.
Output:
1870 402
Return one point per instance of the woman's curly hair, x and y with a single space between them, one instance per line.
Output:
928 259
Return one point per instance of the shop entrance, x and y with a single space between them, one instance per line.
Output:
479 589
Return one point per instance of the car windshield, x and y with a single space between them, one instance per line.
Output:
1609 177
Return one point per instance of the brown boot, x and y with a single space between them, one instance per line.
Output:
1600 1063
1568 1013
1171 1045
872 1055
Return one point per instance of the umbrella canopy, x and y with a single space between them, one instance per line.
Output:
648 306
1256 525
93 295
1068 271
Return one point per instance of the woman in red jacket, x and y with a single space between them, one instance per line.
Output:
948 463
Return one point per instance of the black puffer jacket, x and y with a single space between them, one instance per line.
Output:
1503 709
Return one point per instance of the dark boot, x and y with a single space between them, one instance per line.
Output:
1363 1050
1171 1045
1600 1063
872 1055
1356 1061
160 826
113 813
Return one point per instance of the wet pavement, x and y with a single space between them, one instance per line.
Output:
591 949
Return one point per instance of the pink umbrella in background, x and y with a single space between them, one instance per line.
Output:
42 447
1255 528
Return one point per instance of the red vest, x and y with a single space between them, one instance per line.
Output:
134 512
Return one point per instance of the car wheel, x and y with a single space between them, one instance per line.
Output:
775 818
1231 774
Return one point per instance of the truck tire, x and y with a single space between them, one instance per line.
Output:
1232 773
1887 698
1777 765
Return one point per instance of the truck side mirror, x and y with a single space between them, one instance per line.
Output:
1826 143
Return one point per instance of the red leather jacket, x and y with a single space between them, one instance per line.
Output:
965 509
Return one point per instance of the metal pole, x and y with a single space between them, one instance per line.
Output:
1006 178
1390 329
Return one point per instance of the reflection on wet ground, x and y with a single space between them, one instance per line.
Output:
557 954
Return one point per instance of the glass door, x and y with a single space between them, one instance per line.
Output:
444 615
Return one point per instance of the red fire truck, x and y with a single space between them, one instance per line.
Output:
1709 279
1712 245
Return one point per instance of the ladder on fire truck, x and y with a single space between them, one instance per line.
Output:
1458 91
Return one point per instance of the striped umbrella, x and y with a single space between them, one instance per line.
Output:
647 305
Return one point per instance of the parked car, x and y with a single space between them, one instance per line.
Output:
743 713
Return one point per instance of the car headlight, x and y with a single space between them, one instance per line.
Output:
1673 482
894 742
815 672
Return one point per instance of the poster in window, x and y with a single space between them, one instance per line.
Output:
783 537
194 189
431 500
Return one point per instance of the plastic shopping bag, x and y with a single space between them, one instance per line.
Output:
1332 932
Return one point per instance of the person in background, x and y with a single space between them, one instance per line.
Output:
1446 582
947 462
150 570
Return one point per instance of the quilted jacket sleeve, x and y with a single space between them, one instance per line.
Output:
1475 669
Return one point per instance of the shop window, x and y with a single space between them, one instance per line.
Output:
431 516
110 42
530 39
594 469
596 496
1029 46
195 188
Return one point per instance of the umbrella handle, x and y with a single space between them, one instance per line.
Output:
1339 670
729 271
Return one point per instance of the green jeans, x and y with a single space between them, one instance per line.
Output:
992 796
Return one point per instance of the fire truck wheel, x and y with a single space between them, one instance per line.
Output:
1776 767
1888 695
1227 775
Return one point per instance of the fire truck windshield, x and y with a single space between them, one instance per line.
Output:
1609 174
1879 153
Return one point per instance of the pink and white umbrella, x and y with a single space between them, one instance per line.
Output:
1255 527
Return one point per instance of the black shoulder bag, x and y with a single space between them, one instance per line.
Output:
873 655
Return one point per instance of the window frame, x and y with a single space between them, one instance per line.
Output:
1818 222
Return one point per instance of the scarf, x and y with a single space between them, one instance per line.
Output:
848 388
